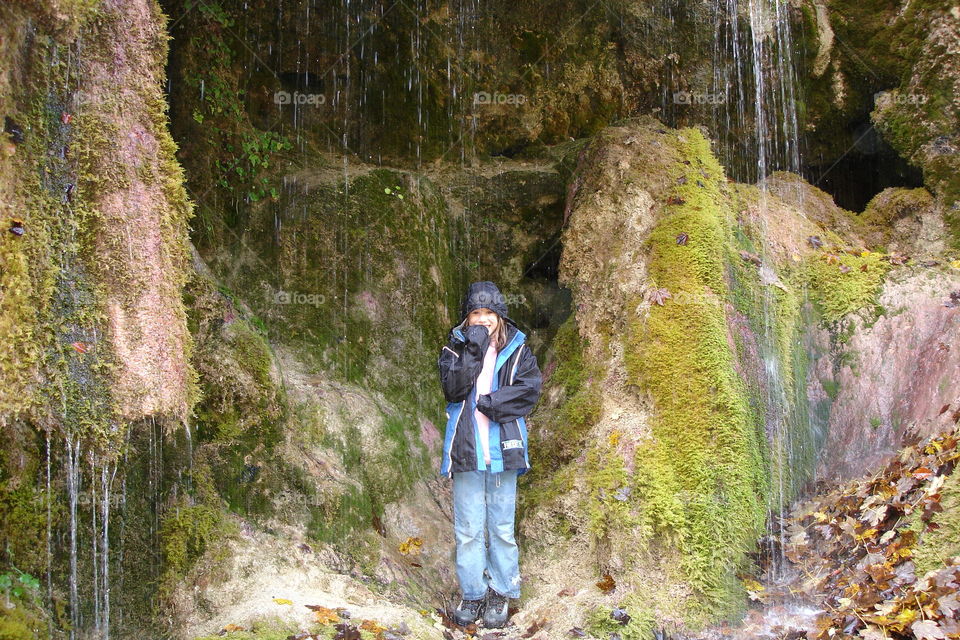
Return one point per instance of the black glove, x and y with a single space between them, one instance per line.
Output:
460 363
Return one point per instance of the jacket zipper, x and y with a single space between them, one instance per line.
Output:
516 361
453 439
512 373
463 405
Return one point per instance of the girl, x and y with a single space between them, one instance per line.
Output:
490 381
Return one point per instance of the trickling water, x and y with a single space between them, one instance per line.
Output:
756 125
186 431
94 539
49 498
73 457
754 72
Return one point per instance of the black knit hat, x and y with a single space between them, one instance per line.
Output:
481 295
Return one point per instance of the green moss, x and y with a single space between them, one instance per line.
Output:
704 429
658 492
641 626
606 475
21 614
568 424
896 204
23 512
272 628
845 284
22 622
938 545
342 518
186 533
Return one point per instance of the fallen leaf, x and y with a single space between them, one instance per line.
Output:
346 632
620 615
323 615
533 628
607 584
658 296
411 546
927 630
372 626
282 601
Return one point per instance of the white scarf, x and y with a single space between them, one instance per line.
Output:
484 382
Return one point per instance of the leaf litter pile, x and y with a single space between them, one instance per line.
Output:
854 549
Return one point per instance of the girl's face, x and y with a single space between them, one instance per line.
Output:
484 316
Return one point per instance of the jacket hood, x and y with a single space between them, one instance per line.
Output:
484 294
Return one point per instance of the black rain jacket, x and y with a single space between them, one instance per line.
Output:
514 392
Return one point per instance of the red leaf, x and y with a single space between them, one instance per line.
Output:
658 296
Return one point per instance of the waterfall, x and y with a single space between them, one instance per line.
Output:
754 69
756 125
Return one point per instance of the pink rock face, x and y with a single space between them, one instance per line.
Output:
429 434
369 303
895 376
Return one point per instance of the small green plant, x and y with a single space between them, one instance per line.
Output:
256 151
16 583
832 387
875 422
395 192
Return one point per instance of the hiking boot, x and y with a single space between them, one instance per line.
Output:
495 610
467 612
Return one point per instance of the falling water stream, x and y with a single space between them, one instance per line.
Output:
759 134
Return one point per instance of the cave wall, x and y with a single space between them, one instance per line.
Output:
94 259
222 394
879 84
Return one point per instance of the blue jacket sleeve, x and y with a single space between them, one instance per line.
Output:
518 399
460 363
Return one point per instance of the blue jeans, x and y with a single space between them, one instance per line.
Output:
485 502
